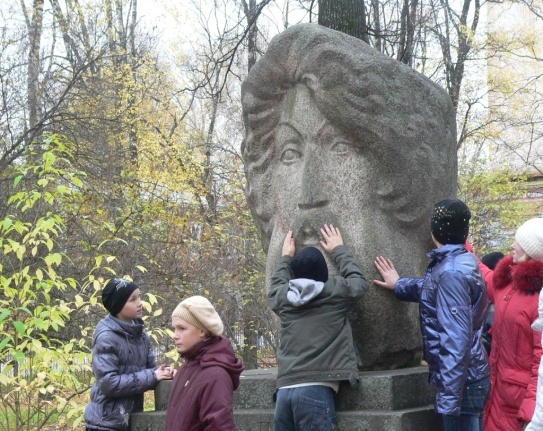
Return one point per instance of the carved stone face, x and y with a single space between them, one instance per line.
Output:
313 166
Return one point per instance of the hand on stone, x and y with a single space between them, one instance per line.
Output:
387 271
331 238
289 246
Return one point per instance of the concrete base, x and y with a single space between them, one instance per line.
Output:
420 419
397 400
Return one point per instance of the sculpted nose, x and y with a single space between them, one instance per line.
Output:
313 187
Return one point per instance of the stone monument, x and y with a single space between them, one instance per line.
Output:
339 133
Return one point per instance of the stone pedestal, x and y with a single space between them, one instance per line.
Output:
398 400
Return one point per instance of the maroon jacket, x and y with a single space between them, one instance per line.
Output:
201 397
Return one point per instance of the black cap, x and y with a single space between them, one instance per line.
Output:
309 263
492 259
116 293
450 221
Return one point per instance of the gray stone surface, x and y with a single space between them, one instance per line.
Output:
338 133
398 400
417 419
162 394
148 421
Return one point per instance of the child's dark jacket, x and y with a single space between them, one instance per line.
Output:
452 301
316 342
124 368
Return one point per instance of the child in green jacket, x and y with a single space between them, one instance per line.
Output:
316 350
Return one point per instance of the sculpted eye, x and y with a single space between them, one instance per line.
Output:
290 155
341 147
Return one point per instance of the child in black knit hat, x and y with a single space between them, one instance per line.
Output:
122 361
452 300
316 350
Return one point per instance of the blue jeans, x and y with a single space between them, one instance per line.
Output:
307 408
473 403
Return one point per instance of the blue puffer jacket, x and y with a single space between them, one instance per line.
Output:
124 367
453 301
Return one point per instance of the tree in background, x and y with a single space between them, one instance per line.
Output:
157 134
164 190
497 205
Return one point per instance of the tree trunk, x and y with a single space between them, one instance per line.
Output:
407 31
454 67
133 122
34 32
347 16
252 33
375 5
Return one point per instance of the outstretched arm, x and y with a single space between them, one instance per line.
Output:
355 284
281 275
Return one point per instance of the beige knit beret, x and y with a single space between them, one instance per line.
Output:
530 237
199 312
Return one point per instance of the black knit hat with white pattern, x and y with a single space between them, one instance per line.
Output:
450 221
116 293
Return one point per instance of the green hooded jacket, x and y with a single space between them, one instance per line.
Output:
316 342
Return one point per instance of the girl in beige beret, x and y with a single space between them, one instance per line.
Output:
203 387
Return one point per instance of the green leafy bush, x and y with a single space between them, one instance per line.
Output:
42 373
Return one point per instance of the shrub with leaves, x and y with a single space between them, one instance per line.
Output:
42 373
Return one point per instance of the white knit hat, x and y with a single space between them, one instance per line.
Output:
199 312
530 237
